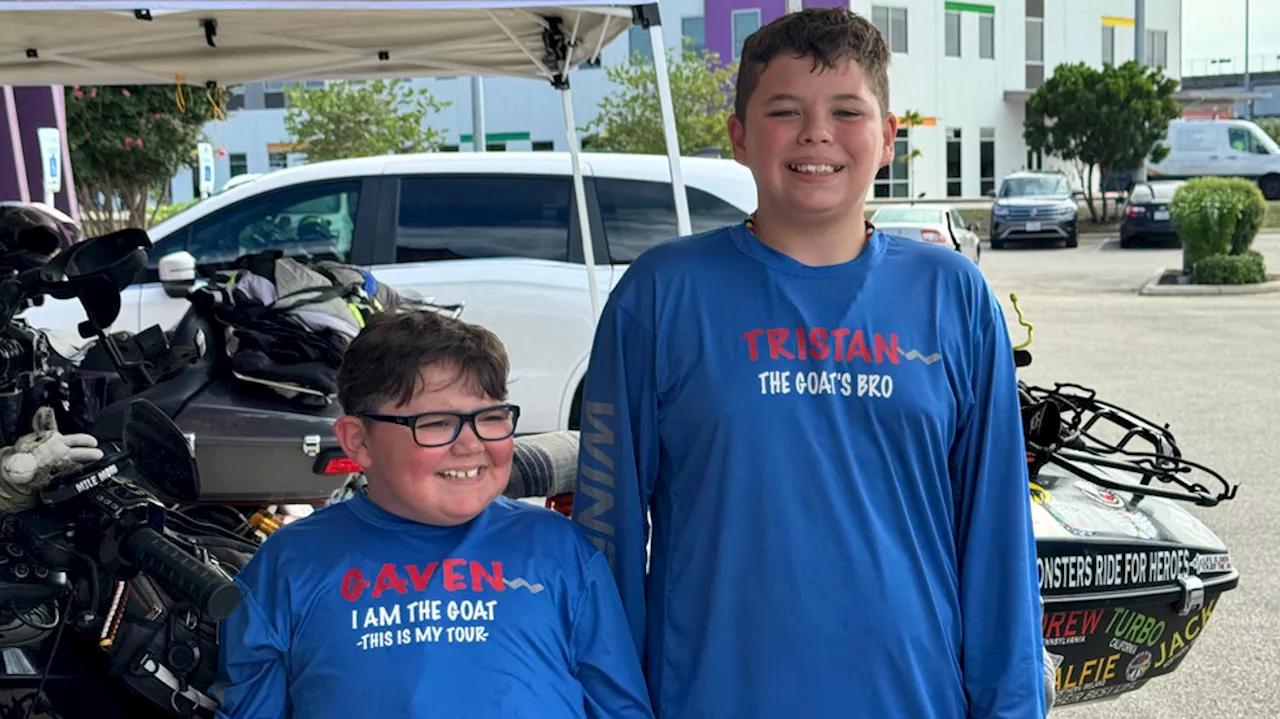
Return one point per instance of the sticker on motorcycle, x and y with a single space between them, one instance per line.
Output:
1138 666
1102 495
1040 494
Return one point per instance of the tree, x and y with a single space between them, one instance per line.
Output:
630 118
910 119
1113 119
362 119
127 143
1271 126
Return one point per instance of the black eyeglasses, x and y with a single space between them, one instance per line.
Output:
436 429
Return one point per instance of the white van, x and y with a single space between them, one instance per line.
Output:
495 231
1224 148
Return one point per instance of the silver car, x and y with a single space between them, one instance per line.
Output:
931 224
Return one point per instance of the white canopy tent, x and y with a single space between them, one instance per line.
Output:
242 41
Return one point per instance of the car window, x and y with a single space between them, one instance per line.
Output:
1245 140
1141 193
314 221
1164 191
450 217
639 214
926 215
957 220
1240 140
1035 187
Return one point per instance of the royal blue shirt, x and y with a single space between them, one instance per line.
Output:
832 460
357 612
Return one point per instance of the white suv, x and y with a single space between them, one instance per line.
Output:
497 232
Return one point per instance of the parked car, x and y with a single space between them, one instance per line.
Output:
497 232
1220 147
1034 206
1146 213
931 224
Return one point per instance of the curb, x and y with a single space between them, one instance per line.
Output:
1153 288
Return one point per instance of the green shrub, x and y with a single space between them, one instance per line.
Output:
1243 269
1253 213
1204 215
1218 215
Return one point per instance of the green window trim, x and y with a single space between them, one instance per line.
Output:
971 7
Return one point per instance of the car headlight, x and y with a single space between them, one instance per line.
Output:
1067 212
999 210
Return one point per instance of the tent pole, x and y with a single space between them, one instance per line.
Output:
668 116
580 197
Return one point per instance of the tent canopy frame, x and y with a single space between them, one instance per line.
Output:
222 49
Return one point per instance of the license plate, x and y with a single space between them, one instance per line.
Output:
1033 227
1161 214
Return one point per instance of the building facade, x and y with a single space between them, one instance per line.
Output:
967 68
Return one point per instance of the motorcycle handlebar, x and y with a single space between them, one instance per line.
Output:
213 593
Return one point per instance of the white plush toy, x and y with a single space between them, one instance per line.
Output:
36 458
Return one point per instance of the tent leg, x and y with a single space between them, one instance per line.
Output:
15 141
580 195
669 127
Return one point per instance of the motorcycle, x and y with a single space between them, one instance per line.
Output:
109 602
1129 578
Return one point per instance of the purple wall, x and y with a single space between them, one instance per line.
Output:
719 19
22 111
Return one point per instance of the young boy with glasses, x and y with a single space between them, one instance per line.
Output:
428 594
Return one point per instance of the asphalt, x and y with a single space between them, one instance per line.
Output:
1206 366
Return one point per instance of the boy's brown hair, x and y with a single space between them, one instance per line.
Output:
385 361
827 36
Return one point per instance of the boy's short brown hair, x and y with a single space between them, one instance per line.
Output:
825 35
385 361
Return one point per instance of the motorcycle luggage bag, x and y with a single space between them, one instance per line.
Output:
1128 583
290 322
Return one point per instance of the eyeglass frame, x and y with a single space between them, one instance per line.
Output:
464 418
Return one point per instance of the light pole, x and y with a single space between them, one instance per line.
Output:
1140 57
1247 81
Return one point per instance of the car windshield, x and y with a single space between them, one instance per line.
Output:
904 215
1264 140
1035 187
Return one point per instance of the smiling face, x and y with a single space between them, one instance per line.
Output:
813 138
446 485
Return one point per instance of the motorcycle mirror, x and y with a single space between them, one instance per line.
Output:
160 452
96 271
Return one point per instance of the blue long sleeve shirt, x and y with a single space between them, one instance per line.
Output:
356 612
832 460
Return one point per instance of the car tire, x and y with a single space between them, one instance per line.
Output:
1126 243
1073 240
997 244
1270 186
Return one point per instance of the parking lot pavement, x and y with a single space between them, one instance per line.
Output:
1208 367
1097 265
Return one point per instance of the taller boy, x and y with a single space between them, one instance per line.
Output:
822 422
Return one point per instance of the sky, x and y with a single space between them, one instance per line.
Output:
1215 28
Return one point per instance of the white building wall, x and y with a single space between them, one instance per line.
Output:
968 92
